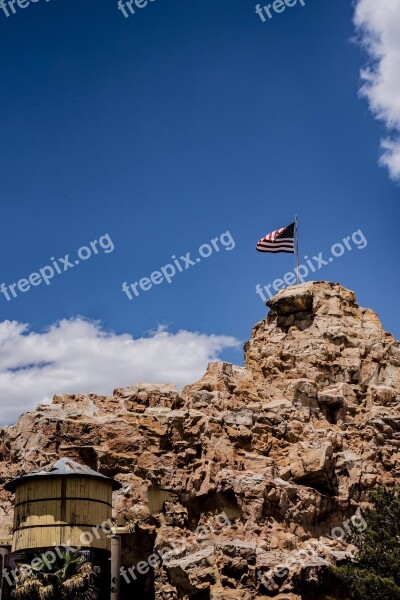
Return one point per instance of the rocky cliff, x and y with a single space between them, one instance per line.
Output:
252 473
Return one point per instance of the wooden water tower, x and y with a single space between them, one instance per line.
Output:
65 503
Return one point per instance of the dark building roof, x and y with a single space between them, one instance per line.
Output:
62 468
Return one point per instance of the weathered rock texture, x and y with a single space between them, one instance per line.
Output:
287 447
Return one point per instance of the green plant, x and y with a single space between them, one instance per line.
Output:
70 577
374 573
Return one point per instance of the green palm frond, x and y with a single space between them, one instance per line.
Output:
70 578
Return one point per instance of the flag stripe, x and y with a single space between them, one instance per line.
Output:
288 243
266 248
275 250
277 243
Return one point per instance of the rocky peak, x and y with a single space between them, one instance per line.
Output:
286 448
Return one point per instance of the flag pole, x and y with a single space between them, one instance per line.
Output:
296 229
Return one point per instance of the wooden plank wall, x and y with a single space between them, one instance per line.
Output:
54 511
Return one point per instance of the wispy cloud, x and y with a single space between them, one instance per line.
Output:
378 22
78 356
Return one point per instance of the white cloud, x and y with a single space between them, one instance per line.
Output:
378 22
78 356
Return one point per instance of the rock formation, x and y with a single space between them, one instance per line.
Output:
250 474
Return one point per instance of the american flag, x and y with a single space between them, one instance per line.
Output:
281 240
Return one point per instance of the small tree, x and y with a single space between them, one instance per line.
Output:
70 577
374 573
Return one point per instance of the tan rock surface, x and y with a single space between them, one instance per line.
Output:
288 447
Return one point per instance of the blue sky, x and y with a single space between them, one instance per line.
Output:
164 130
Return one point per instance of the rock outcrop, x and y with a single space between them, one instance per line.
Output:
253 474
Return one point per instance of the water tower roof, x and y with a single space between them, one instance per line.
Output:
61 468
